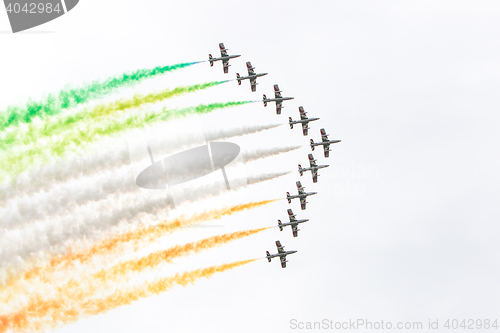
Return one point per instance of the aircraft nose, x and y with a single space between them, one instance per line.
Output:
223 153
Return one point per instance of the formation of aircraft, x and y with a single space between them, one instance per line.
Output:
313 168
281 254
303 120
277 98
325 143
224 57
302 195
293 223
252 76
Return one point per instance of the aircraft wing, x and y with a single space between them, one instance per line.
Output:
295 230
302 113
277 92
279 106
324 136
300 189
291 216
250 69
326 149
225 64
312 161
253 84
280 247
303 203
223 52
305 128
283 262
315 175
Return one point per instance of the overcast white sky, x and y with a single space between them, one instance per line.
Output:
405 225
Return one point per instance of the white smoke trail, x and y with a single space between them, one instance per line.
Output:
65 198
102 160
88 223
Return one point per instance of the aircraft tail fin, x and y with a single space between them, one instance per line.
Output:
290 121
280 225
263 100
288 197
300 170
268 255
210 59
238 78
312 142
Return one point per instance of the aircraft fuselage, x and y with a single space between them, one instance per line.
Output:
281 99
284 254
303 121
226 57
314 168
294 223
300 196
251 76
324 143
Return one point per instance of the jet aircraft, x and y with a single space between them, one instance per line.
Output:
293 223
277 98
302 195
325 143
281 254
314 168
252 76
303 120
224 57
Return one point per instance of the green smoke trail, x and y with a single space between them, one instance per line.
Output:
70 97
42 151
58 124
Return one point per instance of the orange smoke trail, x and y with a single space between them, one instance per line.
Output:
63 310
155 258
26 285
146 234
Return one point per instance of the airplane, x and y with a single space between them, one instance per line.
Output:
303 120
281 254
325 143
252 76
224 57
314 168
293 223
302 195
277 98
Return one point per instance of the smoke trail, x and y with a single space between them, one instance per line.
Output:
255 179
154 259
12 163
105 278
56 125
95 164
268 151
24 207
65 198
63 310
70 97
225 133
117 244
